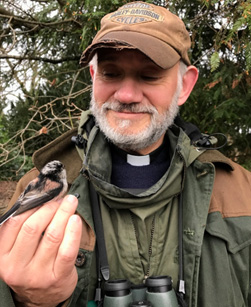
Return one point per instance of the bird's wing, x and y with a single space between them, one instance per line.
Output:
9 213
17 204
28 201
33 199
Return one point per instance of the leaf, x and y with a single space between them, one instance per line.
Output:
43 130
212 84
235 83
215 61
248 56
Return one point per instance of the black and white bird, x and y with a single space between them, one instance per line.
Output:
50 184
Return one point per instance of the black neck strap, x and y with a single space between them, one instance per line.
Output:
101 254
180 292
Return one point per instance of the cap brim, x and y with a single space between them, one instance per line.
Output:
158 51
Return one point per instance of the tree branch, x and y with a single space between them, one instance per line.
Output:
42 1
30 23
17 21
33 29
62 3
36 58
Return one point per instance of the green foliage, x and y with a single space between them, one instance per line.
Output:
220 102
4 135
16 167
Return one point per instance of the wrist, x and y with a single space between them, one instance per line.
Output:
21 302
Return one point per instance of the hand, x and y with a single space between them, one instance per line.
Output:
40 268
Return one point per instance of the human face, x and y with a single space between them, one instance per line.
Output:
134 101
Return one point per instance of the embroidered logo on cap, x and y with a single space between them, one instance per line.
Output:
135 13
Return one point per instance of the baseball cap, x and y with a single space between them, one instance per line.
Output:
151 29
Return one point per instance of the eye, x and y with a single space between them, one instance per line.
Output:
109 71
150 75
110 74
149 78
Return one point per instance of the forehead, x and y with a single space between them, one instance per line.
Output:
123 55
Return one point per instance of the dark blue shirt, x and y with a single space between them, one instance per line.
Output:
139 177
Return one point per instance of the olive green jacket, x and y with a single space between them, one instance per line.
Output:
216 225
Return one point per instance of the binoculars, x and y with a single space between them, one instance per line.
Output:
156 292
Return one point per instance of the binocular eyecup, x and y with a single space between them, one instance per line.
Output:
156 292
159 284
118 287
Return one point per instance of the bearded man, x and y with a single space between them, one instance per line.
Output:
152 201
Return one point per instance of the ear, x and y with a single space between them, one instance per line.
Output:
91 71
189 80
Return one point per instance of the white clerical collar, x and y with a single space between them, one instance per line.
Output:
138 160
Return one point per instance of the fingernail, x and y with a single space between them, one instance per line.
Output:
71 198
75 218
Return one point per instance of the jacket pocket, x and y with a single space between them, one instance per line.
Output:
224 276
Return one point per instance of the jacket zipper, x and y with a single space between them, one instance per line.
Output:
150 250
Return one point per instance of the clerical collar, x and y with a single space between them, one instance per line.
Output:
140 160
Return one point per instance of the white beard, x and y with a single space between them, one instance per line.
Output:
158 125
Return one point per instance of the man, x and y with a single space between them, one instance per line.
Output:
167 207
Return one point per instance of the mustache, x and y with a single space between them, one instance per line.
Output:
133 107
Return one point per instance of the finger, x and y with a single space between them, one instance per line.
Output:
68 251
10 230
53 236
29 236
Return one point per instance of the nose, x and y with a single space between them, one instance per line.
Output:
129 91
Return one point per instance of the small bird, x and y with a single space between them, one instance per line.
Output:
50 184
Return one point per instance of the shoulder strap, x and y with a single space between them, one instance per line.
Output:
198 139
193 132
87 122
